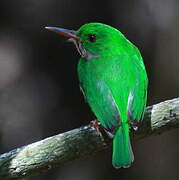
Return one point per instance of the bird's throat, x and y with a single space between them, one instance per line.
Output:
79 48
87 55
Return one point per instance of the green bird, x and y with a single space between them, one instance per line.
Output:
114 82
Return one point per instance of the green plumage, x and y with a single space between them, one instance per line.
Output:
114 82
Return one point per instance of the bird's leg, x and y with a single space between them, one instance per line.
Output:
95 124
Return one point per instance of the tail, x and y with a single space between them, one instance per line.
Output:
122 151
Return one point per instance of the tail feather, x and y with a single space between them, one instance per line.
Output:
122 151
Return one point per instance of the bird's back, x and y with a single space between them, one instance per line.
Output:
114 86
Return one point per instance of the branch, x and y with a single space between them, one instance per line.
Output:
81 142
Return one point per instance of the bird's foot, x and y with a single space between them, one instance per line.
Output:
95 125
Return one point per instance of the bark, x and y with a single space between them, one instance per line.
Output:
78 143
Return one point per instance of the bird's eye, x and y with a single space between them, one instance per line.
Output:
92 37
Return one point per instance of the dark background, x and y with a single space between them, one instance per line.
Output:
39 91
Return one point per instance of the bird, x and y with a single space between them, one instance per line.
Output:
113 79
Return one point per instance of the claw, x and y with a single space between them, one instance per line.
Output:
95 125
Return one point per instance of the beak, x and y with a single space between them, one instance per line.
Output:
64 32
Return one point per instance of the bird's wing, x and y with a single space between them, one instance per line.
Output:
103 105
117 94
128 84
138 93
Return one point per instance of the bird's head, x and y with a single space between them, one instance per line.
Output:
94 39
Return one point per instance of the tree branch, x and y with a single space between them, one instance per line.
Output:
81 142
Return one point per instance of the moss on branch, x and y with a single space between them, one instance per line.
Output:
78 143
